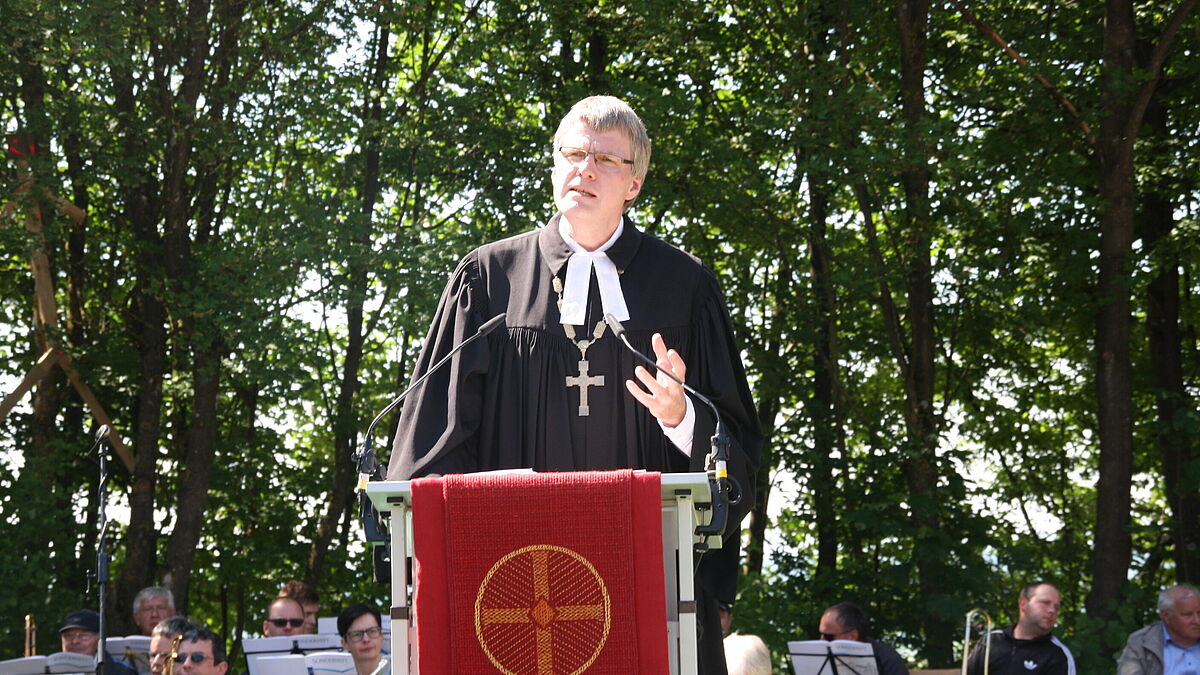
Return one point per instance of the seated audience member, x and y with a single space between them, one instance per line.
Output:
285 616
162 637
151 605
307 597
80 632
846 621
1170 646
200 652
361 629
1029 646
747 655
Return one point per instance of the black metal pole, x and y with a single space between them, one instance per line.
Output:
102 557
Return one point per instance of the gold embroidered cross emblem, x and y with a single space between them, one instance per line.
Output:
540 610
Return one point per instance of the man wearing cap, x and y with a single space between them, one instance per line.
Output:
80 632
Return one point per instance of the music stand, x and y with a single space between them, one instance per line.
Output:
839 657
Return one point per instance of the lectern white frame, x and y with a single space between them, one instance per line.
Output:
682 493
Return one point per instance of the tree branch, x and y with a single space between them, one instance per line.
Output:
1154 67
1054 92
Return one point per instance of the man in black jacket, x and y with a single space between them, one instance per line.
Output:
1028 647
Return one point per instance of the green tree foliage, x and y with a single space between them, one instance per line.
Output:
276 192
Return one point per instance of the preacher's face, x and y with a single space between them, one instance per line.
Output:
592 185
80 641
160 650
285 616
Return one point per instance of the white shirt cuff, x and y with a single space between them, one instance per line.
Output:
681 435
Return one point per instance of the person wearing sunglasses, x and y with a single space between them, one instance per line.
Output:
846 621
285 616
162 639
360 626
199 652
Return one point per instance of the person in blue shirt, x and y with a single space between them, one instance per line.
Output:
1170 646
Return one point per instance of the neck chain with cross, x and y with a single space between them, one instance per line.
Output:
582 380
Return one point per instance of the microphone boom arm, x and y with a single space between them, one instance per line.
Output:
724 489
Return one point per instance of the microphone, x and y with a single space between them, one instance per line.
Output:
368 468
726 489
365 471
103 432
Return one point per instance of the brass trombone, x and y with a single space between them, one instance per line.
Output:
987 641
30 636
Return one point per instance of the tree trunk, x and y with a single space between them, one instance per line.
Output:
197 470
1176 446
149 333
920 463
1114 402
822 404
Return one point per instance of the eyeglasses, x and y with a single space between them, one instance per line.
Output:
605 161
357 635
830 637
196 657
280 623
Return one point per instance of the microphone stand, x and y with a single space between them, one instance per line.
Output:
723 488
102 557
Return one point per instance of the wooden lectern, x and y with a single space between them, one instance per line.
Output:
685 506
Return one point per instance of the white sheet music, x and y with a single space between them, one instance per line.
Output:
817 657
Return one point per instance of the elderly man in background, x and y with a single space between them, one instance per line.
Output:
1170 646
150 606
80 632
747 655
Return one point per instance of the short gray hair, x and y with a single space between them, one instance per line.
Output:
609 113
175 625
747 655
1168 598
149 593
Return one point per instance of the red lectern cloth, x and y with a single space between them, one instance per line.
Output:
539 573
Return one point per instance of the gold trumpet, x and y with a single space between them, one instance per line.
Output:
987 641
30 636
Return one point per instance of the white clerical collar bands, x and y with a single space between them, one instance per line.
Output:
579 274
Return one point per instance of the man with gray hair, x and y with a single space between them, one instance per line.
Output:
151 605
557 390
163 637
1170 646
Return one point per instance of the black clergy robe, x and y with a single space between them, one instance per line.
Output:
503 402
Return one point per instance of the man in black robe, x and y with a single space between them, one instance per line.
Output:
557 391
